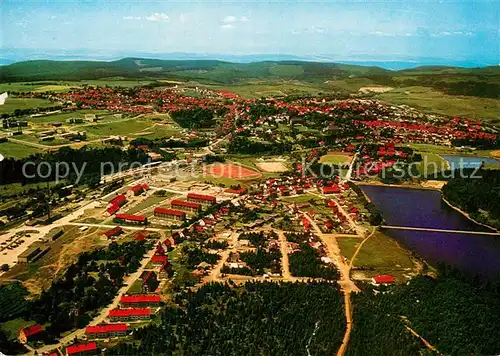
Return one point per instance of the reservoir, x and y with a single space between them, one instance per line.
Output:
475 254
457 162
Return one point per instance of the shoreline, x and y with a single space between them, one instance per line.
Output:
467 215
405 186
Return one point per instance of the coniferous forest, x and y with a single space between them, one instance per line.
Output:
256 319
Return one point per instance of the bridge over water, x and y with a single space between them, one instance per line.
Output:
411 228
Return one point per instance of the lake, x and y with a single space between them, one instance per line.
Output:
476 254
457 162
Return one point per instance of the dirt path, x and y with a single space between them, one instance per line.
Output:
359 247
284 255
345 282
424 341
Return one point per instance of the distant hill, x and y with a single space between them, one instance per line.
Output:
481 82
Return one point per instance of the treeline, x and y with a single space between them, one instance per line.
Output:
170 142
375 218
194 118
30 111
457 316
307 263
256 319
479 197
85 287
245 145
91 163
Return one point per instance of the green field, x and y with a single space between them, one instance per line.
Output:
11 328
431 163
334 159
17 150
432 101
379 255
122 127
12 104
149 202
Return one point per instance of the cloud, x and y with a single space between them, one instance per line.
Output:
318 29
158 16
128 18
382 34
227 26
244 19
455 33
229 19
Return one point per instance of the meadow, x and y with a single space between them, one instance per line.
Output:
12 104
17 150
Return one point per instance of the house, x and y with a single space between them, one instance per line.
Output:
159 260
170 214
202 199
30 333
129 314
105 331
113 232
119 200
383 279
151 300
140 235
331 189
185 205
112 209
139 189
238 191
82 349
130 219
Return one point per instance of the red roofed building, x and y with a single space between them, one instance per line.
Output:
104 331
113 209
202 199
236 191
331 189
82 349
159 260
30 333
130 219
129 314
137 189
140 235
170 213
151 300
383 279
185 205
113 232
119 200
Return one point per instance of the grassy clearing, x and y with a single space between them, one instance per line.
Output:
61 117
334 159
429 100
149 202
257 90
348 246
124 127
11 328
382 255
17 150
159 132
431 163
12 104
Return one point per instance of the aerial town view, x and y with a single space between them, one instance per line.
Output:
253 178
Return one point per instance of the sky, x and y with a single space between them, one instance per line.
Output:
353 29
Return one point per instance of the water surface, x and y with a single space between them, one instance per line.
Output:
475 254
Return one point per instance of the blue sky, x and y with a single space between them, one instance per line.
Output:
343 29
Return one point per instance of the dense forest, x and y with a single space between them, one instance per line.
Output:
194 118
91 163
307 263
85 287
256 319
478 197
456 316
